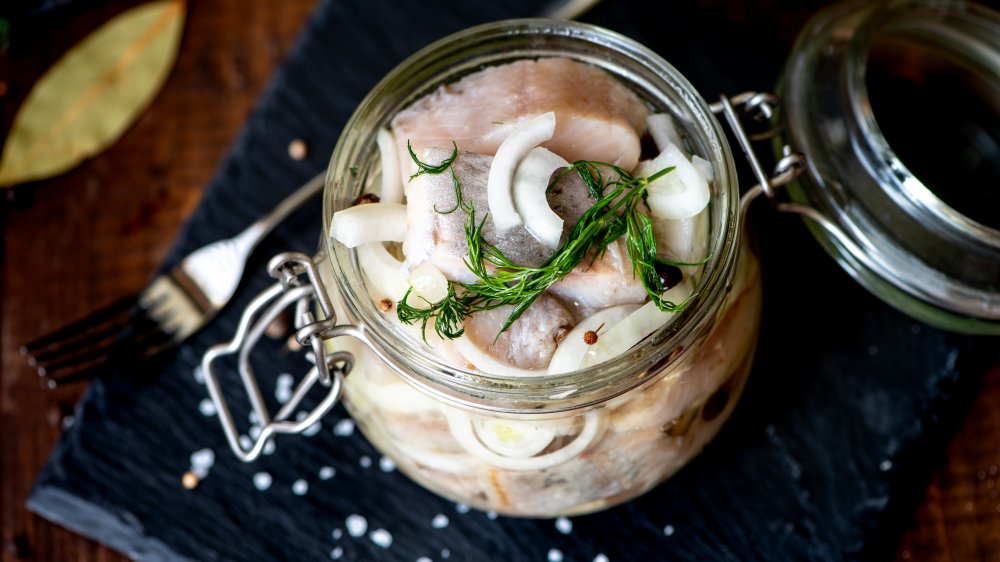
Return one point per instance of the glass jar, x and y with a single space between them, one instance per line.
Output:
586 440
560 444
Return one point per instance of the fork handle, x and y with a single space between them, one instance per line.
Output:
254 233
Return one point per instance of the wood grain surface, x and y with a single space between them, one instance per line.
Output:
95 234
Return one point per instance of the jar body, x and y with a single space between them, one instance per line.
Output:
560 444
588 460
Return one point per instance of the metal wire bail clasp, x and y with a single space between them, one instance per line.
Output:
299 286
758 109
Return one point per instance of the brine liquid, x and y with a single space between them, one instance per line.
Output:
942 119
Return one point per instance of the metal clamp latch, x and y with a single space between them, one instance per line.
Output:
298 285
759 108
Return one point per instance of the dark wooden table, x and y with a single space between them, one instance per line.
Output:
95 234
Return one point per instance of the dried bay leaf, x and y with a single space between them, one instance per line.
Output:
90 96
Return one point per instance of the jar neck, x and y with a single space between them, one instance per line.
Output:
654 81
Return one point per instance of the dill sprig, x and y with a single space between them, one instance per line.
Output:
446 164
503 282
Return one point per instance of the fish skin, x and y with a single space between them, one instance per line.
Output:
531 339
597 117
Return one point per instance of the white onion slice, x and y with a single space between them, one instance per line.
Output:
531 181
392 185
489 365
512 438
374 222
461 430
684 240
383 271
679 194
450 463
525 136
428 283
634 327
663 129
704 168
570 352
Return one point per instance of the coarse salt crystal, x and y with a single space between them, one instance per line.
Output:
668 530
386 464
424 559
245 442
312 429
203 458
269 447
284 380
327 472
207 407
356 525
601 558
381 537
440 521
262 481
564 525
555 555
445 553
283 394
344 427
336 553
461 508
336 534
300 487
365 461
492 515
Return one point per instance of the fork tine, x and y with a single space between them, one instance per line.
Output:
144 346
84 324
52 352
132 334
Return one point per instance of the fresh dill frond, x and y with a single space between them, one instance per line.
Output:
425 168
500 281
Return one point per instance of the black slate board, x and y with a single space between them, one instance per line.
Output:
824 458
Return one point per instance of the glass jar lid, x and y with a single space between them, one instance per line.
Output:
897 108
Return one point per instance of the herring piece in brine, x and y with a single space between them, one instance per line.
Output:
606 281
435 235
597 117
530 341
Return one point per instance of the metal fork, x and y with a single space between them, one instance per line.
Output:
172 307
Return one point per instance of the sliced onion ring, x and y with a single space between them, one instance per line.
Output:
571 351
525 136
634 328
461 430
663 129
513 438
374 222
392 185
679 194
531 181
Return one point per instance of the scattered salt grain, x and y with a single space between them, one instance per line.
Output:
199 375
381 537
255 431
445 553
555 555
564 526
327 472
668 530
365 461
200 471
203 458
245 443
336 553
336 534
424 559
206 407
440 521
885 465
601 558
312 429
344 427
356 525
67 422
386 464
269 447
284 380
262 481
253 417
492 515
300 487
461 508
283 394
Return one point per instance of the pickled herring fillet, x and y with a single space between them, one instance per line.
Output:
439 238
597 118
531 339
606 281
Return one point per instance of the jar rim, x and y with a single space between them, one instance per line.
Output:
531 38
